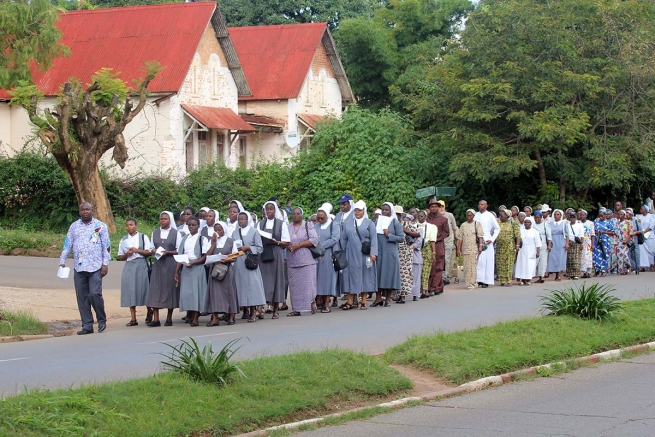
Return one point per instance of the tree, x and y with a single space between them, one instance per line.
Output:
561 92
29 37
84 125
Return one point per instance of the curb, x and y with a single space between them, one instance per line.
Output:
15 338
472 386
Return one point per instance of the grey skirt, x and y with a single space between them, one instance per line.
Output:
134 283
193 288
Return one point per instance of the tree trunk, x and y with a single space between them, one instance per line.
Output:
542 169
562 189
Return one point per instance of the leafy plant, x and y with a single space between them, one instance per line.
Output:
203 364
594 302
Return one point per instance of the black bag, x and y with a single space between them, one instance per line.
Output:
318 250
339 259
147 258
366 245
252 260
578 240
640 237
219 270
267 254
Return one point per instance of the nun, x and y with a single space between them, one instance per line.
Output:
541 226
301 264
250 287
272 264
163 291
222 292
344 219
191 275
389 233
526 261
559 229
326 278
361 245
211 217
133 249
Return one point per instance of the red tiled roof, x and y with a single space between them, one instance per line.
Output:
276 59
217 118
124 39
311 119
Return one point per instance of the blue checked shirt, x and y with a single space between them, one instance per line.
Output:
89 244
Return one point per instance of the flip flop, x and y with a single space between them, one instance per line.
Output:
294 314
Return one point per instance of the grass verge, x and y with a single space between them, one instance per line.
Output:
275 390
20 323
464 356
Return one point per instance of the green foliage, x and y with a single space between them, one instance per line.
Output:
594 302
110 85
20 323
29 35
203 364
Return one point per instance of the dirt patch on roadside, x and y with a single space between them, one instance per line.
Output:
424 382
63 328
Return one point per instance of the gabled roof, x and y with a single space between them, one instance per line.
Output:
310 120
276 58
217 118
126 38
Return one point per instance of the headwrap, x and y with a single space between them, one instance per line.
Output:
538 213
239 205
216 214
377 211
522 214
583 211
528 219
561 215
204 208
647 208
248 225
410 217
602 211
220 241
529 207
302 211
360 205
255 219
327 209
278 214
170 217
391 208
471 210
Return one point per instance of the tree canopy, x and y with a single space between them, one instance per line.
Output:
29 37
559 92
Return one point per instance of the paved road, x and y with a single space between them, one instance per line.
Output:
611 400
122 353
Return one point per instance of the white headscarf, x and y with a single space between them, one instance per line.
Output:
391 207
327 209
360 205
171 218
239 205
278 214
216 217
248 226
220 241
561 215
204 208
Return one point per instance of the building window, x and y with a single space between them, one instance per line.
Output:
220 148
242 152
204 152
188 149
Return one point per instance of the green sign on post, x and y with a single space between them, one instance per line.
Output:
425 192
445 191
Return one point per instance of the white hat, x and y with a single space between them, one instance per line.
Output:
545 207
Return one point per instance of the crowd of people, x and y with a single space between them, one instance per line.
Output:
393 255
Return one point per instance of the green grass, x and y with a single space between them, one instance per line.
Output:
507 346
276 390
20 323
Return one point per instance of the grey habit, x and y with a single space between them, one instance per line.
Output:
388 264
193 281
134 280
273 271
326 277
250 288
344 225
222 295
358 277
163 293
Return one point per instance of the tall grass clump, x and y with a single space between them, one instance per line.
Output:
203 364
593 302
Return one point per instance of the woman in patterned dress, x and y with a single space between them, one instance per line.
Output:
507 245
604 230
429 237
301 265
469 245
624 235
406 255
587 262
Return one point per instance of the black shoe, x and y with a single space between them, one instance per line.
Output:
169 323
387 304
377 304
154 324
102 327
446 282
400 301
84 332
415 299
485 285
438 293
334 303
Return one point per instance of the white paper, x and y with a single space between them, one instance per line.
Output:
159 252
184 259
265 234
211 259
63 272
383 223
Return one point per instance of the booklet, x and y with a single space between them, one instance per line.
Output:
383 223
265 234
63 272
184 259
159 252
211 259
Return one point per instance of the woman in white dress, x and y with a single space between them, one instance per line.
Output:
134 280
526 261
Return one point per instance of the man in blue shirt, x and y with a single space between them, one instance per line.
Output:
88 239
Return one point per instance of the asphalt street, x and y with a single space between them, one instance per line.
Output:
122 353
609 400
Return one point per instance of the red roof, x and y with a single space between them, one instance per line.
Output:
311 119
124 39
217 118
276 59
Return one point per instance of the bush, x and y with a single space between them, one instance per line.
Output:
203 365
593 302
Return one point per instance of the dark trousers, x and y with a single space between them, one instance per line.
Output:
436 274
88 289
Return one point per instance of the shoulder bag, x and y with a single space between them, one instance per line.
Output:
477 239
366 245
339 259
318 250
267 254
147 258
219 271
252 259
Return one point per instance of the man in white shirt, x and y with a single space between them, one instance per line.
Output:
487 258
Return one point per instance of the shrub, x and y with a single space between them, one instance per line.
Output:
203 364
594 302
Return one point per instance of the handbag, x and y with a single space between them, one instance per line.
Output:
252 259
267 254
366 245
147 258
318 250
219 271
484 243
339 259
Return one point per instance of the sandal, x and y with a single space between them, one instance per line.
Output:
210 324
259 315
252 319
284 307
347 307
132 323
275 316
294 314
326 310
231 322
363 307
